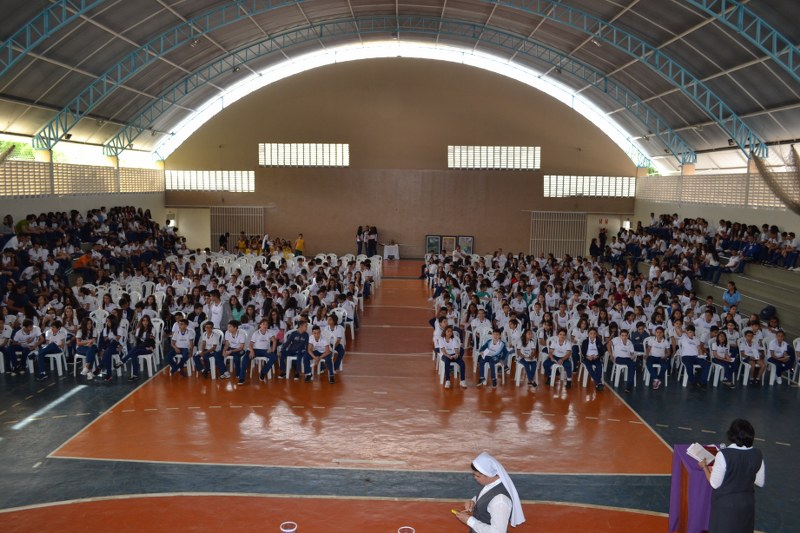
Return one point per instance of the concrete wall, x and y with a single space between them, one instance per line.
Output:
21 207
194 224
399 116
785 220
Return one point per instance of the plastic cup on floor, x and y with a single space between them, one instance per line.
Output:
406 529
288 527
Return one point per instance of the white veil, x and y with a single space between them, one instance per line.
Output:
489 466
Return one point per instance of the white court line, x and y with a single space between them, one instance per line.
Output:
659 437
28 419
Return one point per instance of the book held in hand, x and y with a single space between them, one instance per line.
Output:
698 452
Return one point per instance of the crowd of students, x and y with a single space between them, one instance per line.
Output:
569 313
691 247
128 308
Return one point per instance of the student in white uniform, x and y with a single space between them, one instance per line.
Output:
559 351
593 350
210 345
181 347
319 350
55 337
750 354
657 351
693 354
262 344
234 344
721 355
451 352
780 354
335 333
623 353
528 356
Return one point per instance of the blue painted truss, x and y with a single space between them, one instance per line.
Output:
458 30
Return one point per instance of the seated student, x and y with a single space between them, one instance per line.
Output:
181 347
109 343
528 356
721 355
318 350
56 337
6 331
27 339
657 352
143 343
693 354
593 350
559 352
210 345
578 334
780 354
263 343
492 352
295 344
623 353
637 337
512 334
86 345
750 353
452 352
234 345
335 335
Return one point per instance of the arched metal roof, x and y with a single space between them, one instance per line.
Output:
685 77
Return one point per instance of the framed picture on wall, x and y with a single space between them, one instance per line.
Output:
467 244
448 245
433 244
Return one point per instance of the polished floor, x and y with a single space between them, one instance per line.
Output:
385 429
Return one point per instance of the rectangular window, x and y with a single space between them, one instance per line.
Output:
590 186
494 157
211 180
303 155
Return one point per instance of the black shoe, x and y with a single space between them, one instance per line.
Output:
31 357
109 378
133 377
297 377
569 384
600 387
627 389
703 386
494 383
117 365
308 377
282 375
261 378
241 383
331 380
42 377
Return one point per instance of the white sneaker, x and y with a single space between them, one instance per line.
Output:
463 384
84 371
779 381
90 376
446 384
226 375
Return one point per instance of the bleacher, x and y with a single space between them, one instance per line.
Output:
761 286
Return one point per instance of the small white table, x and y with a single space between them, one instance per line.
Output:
391 250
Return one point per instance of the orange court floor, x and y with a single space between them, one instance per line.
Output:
209 513
386 411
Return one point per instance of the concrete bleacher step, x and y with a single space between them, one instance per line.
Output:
787 305
773 275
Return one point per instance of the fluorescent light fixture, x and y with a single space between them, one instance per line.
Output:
405 49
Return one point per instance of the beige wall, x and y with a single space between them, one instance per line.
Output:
20 207
785 220
194 224
399 115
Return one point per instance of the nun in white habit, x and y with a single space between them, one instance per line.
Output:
497 504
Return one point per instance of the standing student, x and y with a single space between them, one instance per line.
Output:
737 470
497 504
299 245
359 240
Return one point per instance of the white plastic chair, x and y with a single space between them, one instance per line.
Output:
158 334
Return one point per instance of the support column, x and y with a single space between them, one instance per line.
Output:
688 170
46 156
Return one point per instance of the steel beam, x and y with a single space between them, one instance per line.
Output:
749 25
744 137
40 28
478 33
133 63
